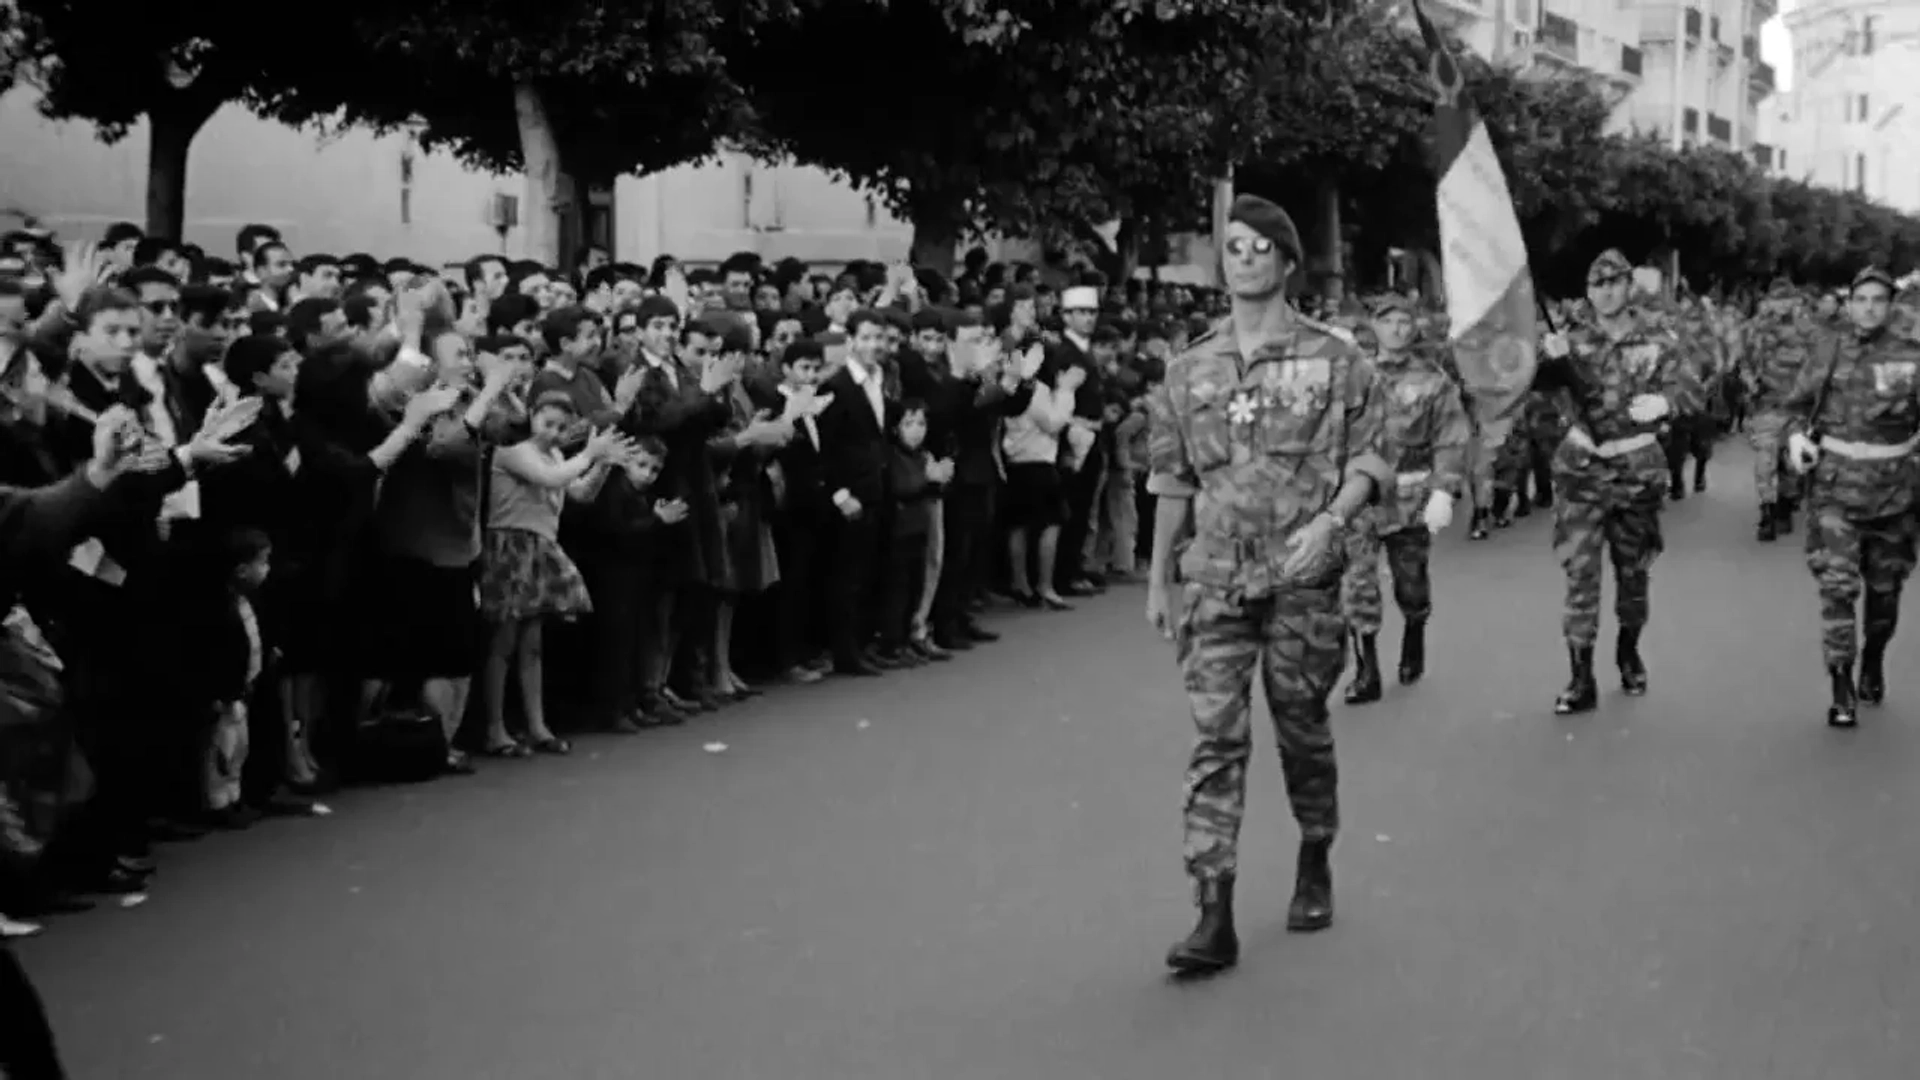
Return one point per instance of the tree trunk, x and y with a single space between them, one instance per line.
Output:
172 122
1330 267
936 243
549 195
1126 251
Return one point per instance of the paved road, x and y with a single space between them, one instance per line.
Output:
972 872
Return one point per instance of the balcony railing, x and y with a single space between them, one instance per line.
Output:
1693 23
1560 36
1760 78
1719 127
1631 61
1763 155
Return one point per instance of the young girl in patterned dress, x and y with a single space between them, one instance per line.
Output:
525 577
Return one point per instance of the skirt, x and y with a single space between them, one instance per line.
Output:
1034 496
419 621
524 575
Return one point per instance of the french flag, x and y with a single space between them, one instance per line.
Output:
1490 302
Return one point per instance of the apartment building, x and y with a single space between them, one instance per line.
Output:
1852 118
1692 67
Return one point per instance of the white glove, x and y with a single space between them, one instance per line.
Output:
1439 512
1802 454
1556 345
1647 408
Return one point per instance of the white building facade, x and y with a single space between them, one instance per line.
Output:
354 191
1852 119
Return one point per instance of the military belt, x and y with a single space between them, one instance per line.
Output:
1863 451
1613 448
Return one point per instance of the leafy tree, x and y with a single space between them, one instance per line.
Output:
172 63
573 92
1026 119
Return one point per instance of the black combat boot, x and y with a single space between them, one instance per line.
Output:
1582 693
1477 528
1700 474
1522 505
1543 486
1312 906
1501 500
1626 656
1365 686
1413 651
1676 483
1769 527
1783 516
1213 945
1879 618
1845 710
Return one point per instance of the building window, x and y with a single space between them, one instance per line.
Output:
1860 173
1860 108
1783 160
406 206
873 212
1866 36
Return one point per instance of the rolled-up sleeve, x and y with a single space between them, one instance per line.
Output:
1365 452
1169 467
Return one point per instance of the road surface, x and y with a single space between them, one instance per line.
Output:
972 872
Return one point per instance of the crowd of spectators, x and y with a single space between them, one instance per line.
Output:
349 504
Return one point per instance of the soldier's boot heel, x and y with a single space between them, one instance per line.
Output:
1478 529
1582 693
1784 517
1769 527
1213 945
1312 905
1413 652
1676 483
1633 670
1501 500
1845 710
1872 687
1365 686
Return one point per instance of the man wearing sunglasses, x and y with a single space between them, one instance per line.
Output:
1266 441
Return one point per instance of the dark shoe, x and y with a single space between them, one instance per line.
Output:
858 667
231 818
1543 493
1873 676
1582 693
1522 506
1626 656
1785 518
552 746
134 864
114 882
979 633
1413 652
624 725
169 830
1312 906
930 651
1025 599
1501 500
1845 710
457 764
1054 603
802 675
1700 478
1365 686
885 659
953 644
1213 945
1769 527
1478 529
1676 486
509 750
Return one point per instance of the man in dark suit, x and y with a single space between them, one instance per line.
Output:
1080 309
985 395
853 435
683 405
805 518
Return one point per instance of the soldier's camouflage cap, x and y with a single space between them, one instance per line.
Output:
1870 276
1388 303
1610 264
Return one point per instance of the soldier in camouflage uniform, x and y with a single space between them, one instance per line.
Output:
1426 441
1618 379
1853 423
1691 434
1773 352
1265 443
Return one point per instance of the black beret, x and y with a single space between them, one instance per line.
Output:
1267 219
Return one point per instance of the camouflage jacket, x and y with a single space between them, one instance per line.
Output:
1262 445
1600 378
1864 413
1426 436
1775 350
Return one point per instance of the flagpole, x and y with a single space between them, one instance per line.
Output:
1222 206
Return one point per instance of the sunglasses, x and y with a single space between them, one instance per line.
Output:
162 307
1241 245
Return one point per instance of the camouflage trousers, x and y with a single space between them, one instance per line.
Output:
1766 433
1405 553
1481 452
1849 556
1628 532
1295 642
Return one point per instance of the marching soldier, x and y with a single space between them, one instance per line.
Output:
1621 378
1853 422
1691 434
1775 351
1265 440
1427 434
